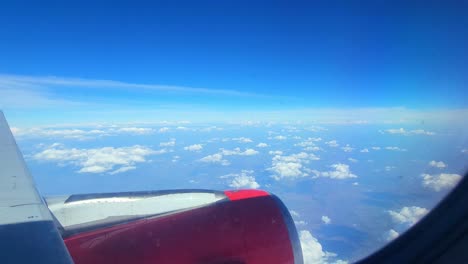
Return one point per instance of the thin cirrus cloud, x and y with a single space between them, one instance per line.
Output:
392 148
36 83
402 131
80 133
97 160
60 93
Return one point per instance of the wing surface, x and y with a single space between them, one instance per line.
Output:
27 230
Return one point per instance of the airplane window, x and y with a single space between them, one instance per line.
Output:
354 115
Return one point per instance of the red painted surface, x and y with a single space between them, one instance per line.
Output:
240 231
244 194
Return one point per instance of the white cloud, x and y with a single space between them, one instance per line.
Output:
395 149
262 145
353 160
408 215
242 140
175 158
332 143
163 130
249 152
291 166
280 137
294 213
245 179
182 128
194 147
375 148
364 150
355 183
341 171
170 143
31 83
402 131
309 142
300 223
79 134
440 181
312 250
347 148
211 128
122 169
275 152
215 158
437 164
326 220
288 170
97 160
315 148
391 235
136 130
237 151
389 168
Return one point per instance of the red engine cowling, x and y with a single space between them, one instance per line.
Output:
247 226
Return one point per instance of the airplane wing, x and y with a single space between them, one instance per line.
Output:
27 231
169 226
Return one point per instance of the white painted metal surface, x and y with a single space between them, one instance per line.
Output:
92 210
19 199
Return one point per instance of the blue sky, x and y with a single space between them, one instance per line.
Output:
263 55
355 114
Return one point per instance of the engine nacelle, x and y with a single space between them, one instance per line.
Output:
182 226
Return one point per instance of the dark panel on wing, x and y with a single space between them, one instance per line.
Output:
32 242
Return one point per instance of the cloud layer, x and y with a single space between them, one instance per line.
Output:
97 160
